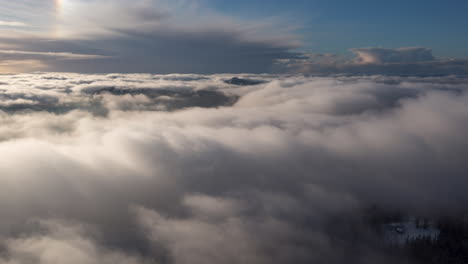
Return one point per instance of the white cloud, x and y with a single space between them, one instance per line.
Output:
401 55
190 178
18 54
62 242
12 24
371 61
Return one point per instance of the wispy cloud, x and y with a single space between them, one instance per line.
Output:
17 54
21 61
12 24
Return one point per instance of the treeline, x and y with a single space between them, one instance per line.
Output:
450 247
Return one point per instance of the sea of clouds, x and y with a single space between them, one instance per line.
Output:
192 169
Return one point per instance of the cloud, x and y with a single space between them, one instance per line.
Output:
161 36
371 61
16 66
61 242
14 61
156 36
18 54
12 24
278 174
401 55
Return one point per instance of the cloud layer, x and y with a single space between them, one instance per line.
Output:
412 61
141 168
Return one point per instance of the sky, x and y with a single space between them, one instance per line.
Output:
337 25
161 36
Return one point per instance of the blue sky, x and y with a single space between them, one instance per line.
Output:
337 25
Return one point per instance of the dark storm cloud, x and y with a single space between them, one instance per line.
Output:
278 175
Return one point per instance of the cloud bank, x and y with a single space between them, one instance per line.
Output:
401 55
142 168
156 36
415 61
